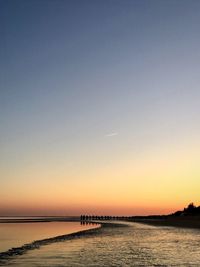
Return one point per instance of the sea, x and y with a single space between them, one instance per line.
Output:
113 244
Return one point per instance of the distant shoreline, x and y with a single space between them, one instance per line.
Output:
182 221
39 219
174 221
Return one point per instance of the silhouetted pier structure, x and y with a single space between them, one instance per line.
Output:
103 218
191 211
95 218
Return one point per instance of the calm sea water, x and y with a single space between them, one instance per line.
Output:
18 234
134 245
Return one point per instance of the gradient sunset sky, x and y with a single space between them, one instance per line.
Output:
99 106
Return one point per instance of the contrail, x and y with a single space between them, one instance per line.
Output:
111 134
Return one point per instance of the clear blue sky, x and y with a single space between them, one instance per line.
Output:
87 86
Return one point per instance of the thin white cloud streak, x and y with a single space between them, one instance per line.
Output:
111 134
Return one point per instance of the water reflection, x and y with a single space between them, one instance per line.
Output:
88 223
137 245
18 234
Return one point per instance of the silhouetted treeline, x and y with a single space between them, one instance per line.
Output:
191 210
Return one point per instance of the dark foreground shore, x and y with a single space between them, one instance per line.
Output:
184 221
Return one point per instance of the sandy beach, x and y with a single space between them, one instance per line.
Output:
112 244
182 221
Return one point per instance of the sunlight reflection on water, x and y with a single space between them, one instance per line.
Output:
137 245
18 234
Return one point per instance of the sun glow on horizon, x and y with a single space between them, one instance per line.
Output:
99 107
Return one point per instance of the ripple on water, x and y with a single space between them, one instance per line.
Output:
136 245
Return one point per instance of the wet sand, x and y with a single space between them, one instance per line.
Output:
136 245
184 221
38 243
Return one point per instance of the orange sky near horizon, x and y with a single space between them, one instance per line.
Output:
99 107
158 183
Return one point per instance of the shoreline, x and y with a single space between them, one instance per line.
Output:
39 219
180 221
16 251
192 222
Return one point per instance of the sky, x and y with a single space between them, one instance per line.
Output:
99 106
